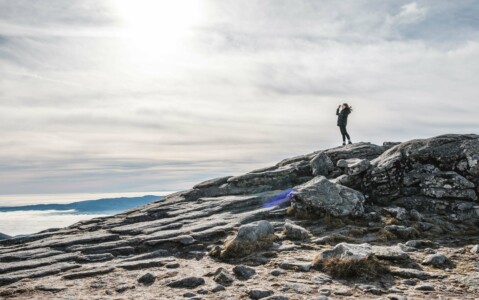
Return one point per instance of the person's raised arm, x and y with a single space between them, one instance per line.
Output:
337 110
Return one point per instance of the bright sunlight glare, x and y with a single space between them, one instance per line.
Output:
156 27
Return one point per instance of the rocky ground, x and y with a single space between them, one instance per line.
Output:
360 221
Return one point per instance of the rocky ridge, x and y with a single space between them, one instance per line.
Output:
397 221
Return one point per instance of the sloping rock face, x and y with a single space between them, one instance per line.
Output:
368 197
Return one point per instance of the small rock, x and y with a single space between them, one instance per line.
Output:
325 292
259 294
475 249
296 266
218 288
147 279
188 282
391 253
277 272
123 287
223 277
295 232
189 294
202 292
343 292
172 265
436 260
367 288
322 297
425 287
321 164
243 272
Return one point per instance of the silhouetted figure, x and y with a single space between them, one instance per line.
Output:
342 112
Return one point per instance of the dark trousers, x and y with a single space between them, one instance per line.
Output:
344 132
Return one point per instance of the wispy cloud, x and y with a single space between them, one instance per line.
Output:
86 106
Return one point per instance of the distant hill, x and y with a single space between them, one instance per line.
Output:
4 236
108 206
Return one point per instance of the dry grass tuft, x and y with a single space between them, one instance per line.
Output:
343 268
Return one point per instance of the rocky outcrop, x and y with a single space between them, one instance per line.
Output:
407 211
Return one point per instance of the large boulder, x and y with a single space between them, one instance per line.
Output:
250 238
319 196
440 167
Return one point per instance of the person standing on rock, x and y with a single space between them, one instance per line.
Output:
342 112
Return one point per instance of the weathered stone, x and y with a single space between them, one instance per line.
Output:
320 195
243 272
218 288
436 260
147 279
354 166
251 237
390 253
223 277
259 294
321 164
277 272
187 282
475 249
295 232
347 251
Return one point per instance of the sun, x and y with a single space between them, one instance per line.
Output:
157 26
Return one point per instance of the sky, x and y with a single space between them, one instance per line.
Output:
113 96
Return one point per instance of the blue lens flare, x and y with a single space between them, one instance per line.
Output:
279 199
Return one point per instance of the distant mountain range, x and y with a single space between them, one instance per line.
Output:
103 206
4 236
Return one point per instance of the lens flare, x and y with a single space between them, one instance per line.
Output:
280 199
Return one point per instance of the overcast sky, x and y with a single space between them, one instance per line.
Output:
136 95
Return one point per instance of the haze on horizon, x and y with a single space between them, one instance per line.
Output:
125 96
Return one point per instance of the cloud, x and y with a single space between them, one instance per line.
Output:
85 107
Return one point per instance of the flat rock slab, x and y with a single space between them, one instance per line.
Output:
390 253
188 282
38 272
144 264
88 273
31 264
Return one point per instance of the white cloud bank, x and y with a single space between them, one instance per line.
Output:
87 106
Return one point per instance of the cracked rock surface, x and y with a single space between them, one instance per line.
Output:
409 208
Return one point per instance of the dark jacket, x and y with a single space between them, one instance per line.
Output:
343 116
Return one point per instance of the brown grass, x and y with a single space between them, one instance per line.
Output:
343 268
385 235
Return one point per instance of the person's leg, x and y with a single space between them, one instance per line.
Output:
343 130
347 135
